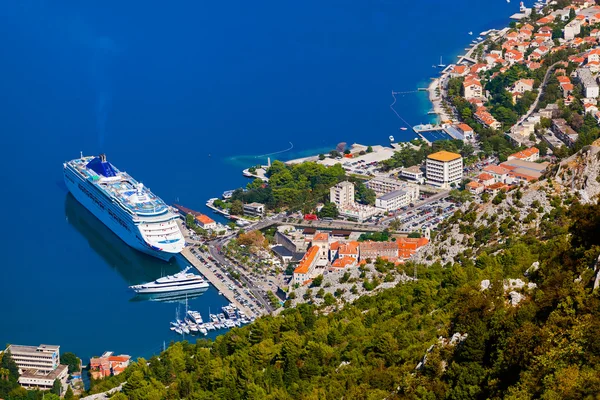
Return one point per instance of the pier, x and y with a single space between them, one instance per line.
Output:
216 282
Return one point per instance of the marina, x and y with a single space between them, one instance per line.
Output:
193 323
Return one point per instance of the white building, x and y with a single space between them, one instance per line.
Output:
342 194
254 209
38 366
413 173
382 185
44 358
572 29
590 86
473 89
394 200
359 212
444 169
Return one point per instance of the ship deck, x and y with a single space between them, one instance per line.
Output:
124 188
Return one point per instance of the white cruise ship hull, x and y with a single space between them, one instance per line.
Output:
171 289
105 211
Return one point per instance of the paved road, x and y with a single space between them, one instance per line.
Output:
104 395
540 92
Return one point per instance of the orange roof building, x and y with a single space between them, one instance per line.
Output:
531 154
205 221
306 267
321 240
344 262
444 156
475 187
350 249
407 247
373 250
107 365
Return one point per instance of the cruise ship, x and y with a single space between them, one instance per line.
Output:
181 281
130 210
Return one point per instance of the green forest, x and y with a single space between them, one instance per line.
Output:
546 347
299 187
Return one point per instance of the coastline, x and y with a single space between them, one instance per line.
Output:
438 84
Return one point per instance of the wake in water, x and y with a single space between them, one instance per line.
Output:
394 110
277 152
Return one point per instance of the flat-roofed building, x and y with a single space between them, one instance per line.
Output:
564 132
590 85
35 379
413 173
382 185
254 209
523 171
39 365
342 194
444 169
44 358
394 200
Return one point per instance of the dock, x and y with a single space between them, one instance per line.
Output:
216 282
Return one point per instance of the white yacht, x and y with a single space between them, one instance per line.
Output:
181 281
194 317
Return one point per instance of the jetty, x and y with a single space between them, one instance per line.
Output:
216 282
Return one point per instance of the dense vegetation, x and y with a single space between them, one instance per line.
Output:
546 347
298 187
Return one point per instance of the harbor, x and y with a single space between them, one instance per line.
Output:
226 290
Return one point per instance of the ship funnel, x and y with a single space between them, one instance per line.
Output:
103 157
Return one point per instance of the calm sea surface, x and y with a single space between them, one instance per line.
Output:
182 96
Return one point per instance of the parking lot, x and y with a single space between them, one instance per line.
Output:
247 299
428 216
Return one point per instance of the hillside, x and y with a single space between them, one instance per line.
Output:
518 322
580 173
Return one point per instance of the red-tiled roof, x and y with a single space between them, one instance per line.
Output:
343 262
307 260
349 248
525 153
484 176
204 219
321 237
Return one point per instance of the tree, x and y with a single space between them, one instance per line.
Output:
369 149
321 157
317 281
237 208
10 365
329 210
395 224
69 393
414 235
71 360
543 148
363 194
56 388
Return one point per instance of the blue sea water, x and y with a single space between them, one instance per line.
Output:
183 95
